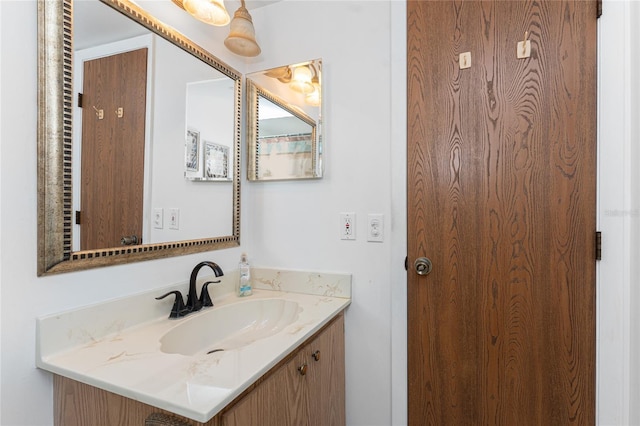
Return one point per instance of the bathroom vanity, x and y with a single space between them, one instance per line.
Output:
276 357
305 388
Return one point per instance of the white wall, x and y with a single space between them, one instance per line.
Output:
634 140
198 201
295 224
398 155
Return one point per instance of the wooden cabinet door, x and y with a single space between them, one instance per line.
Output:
325 355
280 400
289 398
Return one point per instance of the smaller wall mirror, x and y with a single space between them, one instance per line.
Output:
284 122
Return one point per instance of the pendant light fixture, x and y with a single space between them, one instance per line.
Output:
242 35
210 12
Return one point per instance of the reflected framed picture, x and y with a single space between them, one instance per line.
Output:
192 151
216 161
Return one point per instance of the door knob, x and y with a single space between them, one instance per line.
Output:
423 266
129 241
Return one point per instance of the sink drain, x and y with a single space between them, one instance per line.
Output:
214 350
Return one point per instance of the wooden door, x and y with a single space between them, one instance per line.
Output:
501 198
113 137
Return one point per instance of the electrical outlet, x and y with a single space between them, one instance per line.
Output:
375 228
158 216
174 218
347 226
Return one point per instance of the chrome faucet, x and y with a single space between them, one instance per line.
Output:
194 303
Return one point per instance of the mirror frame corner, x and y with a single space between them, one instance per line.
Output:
54 145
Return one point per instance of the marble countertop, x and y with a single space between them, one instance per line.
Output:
125 357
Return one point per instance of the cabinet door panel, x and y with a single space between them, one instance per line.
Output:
326 377
281 400
287 398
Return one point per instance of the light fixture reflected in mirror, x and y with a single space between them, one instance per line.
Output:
302 78
242 35
210 12
313 98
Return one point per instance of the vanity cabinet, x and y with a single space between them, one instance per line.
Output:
306 388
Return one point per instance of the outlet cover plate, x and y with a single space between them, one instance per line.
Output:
347 226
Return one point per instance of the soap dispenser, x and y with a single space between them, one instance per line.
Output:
244 281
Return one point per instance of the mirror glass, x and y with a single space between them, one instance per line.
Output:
151 149
284 122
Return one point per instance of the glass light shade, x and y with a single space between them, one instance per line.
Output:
211 12
301 80
242 35
313 98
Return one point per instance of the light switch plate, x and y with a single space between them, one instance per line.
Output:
158 218
375 227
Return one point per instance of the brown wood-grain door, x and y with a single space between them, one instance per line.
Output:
113 137
501 198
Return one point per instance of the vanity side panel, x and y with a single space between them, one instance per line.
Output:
78 404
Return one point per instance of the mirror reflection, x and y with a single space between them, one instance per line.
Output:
146 105
285 122
114 119
207 151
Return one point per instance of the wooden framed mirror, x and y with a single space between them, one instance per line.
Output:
177 216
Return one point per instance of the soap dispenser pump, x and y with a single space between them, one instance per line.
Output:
244 281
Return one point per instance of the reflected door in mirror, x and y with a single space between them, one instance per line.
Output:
113 139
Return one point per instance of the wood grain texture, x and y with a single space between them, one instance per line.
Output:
501 197
78 404
288 398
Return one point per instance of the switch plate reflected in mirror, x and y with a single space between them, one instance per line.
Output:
284 122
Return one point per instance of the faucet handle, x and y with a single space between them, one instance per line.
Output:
178 310
205 299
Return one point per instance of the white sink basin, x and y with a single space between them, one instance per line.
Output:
229 327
